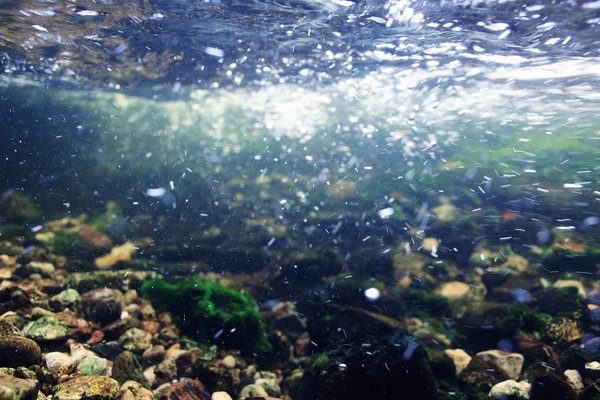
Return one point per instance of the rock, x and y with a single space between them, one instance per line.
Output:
153 355
92 366
17 351
148 312
229 362
93 239
510 390
47 329
150 376
97 337
85 281
119 327
574 379
134 391
482 373
79 352
187 389
16 208
38 312
12 297
87 388
431 245
547 384
395 359
270 385
220 396
44 269
8 329
63 300
101 305
55 360
561 329
460 358
117 254
445 212
151 327
563 283
127 368
253 390
12 388
292 384
453 290
136 340
291 324
166 371
592 370
186 361
510 363
109 350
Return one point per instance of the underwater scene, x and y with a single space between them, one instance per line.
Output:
299 199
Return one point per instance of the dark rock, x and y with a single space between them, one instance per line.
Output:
187 389
165 372
127 368
576 357
383 364
292 325
547 384
16 351
12 298
215 378
101 305
119 327
185 361
482 373
108 350
12 388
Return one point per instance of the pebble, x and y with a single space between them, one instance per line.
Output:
132 390
126 367
56 359
87 387
229 362
220 396
12 388
459 357
17 351
187 389
431 244
64 299
510 363
166 371
510 389
574 379
44 269
101 305
592 370
563 283
92 366
47 329
154 355
453 290
270 385
253 390
136 340
8 329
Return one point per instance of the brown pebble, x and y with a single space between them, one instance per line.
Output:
188 389
97 337
151 327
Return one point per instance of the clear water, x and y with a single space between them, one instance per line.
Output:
245 133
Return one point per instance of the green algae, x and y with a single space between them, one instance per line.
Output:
212 312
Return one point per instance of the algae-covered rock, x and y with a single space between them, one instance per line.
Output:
64 299
92 366
88 388
213 312
12 388
127 368
86 281
136 340
16 208
47 329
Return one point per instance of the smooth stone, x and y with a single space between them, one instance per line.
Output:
186 389
574 379
154 355
510 389
87 388
56 359
220 396
510 363
17 351
270 385
229 362
132 390
453 290
253 390
12 388
101 305
92 366
563 283
430 244
459 357
136 340
47 329
44 269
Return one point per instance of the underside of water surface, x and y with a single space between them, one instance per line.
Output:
321 199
